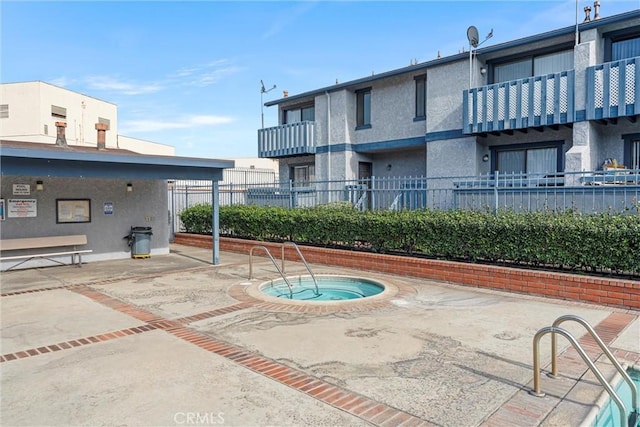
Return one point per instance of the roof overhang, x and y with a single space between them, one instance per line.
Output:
64 163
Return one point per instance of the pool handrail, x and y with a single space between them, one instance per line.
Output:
536 368
315 282
274 263
603 347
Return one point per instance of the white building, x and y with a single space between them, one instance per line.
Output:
30 111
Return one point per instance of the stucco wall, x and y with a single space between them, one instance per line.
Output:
445 85
145 206
453 157
392 111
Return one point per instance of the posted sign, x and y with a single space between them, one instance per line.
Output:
22 208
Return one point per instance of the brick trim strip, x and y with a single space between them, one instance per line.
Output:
32 291
611 292
353 403
76 343
213 313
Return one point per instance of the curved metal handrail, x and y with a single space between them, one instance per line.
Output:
603 347
536 368
274 263
303 260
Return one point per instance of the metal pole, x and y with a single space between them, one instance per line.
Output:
470 65
215 222
577 34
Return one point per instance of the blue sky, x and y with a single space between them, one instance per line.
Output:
188 74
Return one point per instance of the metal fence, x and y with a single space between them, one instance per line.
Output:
613 190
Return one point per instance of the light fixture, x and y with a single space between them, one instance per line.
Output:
389 167
39 185
129 187
483 70
485 158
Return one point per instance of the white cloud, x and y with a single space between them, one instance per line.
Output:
126 88
206 74
132 126
60 81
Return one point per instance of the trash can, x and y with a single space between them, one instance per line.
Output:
140 242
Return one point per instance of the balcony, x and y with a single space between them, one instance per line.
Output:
613 89
287 140
519 104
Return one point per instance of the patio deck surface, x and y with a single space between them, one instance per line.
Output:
172 340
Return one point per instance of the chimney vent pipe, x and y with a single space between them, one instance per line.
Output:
102 137
61 138
596 10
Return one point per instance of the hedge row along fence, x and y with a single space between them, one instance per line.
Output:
597 242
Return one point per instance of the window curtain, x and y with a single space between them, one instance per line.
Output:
542 160
293 116
635 154
625 49
308 114
553 63
512 71
511 161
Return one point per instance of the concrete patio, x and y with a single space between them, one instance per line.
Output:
172 340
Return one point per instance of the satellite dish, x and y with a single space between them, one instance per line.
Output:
472 35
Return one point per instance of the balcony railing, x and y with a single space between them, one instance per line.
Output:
518 104
613 89
287 140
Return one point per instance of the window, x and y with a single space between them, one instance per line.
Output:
4 111
59 112
534 159
538 65
301 175
624 49
363 108
296 115
421 97
632 150
622 44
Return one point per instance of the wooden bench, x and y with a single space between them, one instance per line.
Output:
66 244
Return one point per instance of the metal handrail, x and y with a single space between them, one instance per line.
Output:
304 261
536 368
274 263
603 347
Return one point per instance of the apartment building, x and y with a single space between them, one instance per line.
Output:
560 101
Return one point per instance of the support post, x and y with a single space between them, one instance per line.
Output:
215 222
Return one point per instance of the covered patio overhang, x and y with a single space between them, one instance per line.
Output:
17 158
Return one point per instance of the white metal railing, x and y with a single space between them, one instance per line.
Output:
613 190
612 89
517 104
287 140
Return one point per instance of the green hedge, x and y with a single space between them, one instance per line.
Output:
567 240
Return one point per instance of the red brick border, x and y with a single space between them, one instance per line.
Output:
76 343
590 289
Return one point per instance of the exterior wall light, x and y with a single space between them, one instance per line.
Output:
39 185
129 187
485 158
